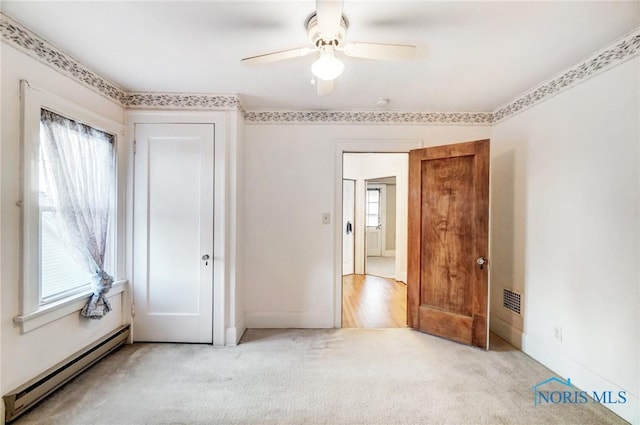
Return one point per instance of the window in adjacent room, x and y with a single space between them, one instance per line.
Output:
373 208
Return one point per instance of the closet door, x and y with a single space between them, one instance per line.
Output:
173 233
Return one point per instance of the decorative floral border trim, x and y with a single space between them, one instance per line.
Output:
38 48
35 46
372 117
615 54
179 101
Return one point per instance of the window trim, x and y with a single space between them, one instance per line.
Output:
33 100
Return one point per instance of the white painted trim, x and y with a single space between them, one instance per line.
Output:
401 276
221 220
57 310
580 375
359 227
234 333
341 147
33 100
289 320
389 253
506 331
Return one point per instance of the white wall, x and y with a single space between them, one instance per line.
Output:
290 181
565 232
361 167
26 355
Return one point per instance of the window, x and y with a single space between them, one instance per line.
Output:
70 192
72 155
373 207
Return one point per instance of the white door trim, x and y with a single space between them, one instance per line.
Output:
221 222
345 244
354 146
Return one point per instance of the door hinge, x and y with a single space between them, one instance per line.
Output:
133 310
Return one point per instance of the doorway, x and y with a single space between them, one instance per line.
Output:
380 217
374 239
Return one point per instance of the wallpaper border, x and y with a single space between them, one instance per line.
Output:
369 117
25 40
611 56
22 38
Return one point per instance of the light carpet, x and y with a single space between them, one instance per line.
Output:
293 376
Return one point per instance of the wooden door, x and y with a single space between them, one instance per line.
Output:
447 287
173 233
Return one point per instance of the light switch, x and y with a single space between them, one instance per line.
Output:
326 218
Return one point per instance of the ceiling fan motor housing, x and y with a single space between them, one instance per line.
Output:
319 40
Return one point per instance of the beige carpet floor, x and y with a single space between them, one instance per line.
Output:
336 376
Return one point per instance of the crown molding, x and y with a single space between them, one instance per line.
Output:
25 40
615 54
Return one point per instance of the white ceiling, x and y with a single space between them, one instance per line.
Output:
472 56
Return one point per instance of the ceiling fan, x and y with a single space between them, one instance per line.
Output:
327 30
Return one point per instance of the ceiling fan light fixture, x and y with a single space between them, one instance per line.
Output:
327 67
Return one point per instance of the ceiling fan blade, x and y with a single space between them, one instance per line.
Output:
324 87
329 16
378 51
277 56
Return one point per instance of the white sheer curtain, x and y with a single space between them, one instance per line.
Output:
78 166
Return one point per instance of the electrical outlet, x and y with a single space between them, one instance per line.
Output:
326 218
557 333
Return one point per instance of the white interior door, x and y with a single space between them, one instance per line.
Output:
348 226
173 233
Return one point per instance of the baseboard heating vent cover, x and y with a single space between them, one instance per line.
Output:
511 300
28 395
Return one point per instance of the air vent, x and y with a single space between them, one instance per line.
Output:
511 300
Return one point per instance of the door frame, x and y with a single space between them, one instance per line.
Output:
221 222
353 226
355 146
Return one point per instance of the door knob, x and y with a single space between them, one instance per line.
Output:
205 258
481 261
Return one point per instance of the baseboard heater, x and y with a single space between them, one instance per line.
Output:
26 396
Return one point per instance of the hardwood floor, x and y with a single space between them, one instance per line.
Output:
373 302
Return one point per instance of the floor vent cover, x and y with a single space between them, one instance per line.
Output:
511 300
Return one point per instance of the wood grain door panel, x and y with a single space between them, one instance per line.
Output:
447 291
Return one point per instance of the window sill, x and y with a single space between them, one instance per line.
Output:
58 309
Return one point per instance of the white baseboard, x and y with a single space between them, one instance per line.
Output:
389 253
504 330
289 320
234 333
401 276
581 376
